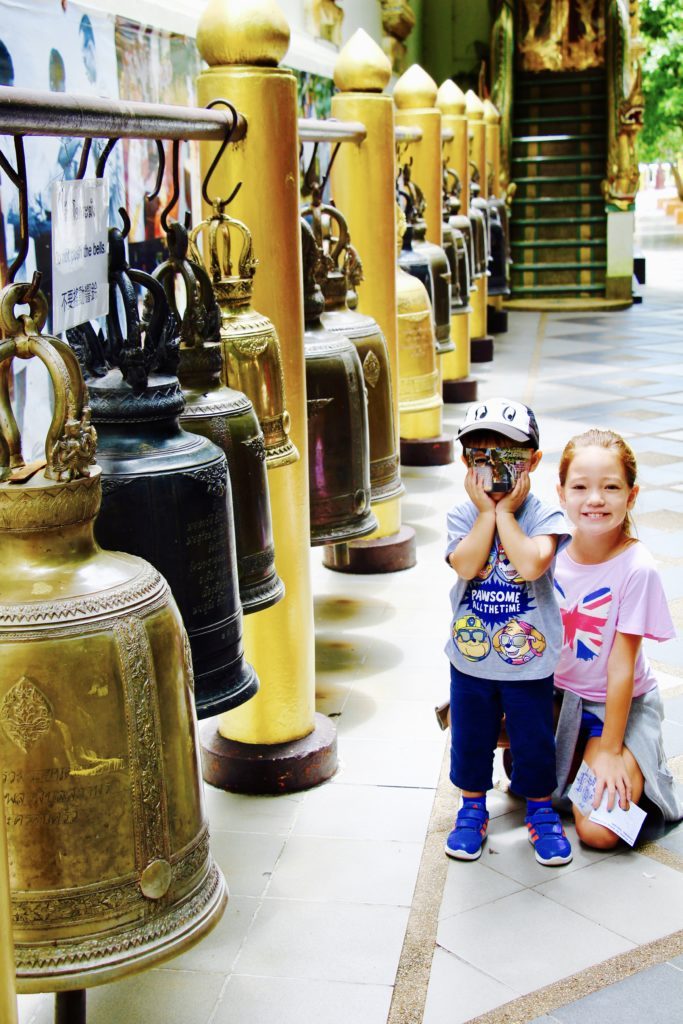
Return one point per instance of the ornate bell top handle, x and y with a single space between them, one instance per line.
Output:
337 245
200 321
221 230
71 440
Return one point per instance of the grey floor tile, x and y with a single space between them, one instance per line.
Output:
246 859
218 950
473 884
366 812
633 895
233 812
286 1001
654 995
524 941
458 992
347 942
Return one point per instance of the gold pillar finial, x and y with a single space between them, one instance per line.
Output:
362 65
450 99
252 32
491 115
474 106
415 89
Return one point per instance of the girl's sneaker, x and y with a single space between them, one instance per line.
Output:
467 838
548 838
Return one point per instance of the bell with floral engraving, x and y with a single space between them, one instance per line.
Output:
344 274
110 867
338 434
252 362
226 417
166 493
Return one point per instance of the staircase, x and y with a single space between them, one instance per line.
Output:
558 222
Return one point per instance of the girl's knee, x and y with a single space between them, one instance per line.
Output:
597 836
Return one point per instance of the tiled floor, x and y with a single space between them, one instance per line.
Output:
322 882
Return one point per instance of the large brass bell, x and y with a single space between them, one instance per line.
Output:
226 417
344 274
419 396
440 271
252 362
499 283
338 434
108 843
166 493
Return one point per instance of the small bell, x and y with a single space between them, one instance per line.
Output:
478 214
108 843
338 434
499 282
344 274
252 362
227 418
166 493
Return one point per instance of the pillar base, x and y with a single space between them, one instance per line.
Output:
269 768
378 554
496 320
427 451
481 349
463 390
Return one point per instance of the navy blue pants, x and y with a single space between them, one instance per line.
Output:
477 707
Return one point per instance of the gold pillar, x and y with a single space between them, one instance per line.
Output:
492 131
8 1002
450 100
243 41
475 117
363 189
415 98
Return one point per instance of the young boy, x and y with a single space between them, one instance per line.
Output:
506 630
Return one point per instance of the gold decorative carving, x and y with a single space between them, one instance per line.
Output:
372 369
323 19
398 21
561 35
26 714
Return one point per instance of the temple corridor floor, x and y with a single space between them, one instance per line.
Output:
343 908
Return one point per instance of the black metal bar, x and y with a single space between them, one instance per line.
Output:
29 112
70 1007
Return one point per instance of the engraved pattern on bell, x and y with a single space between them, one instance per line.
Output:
25 714
372 369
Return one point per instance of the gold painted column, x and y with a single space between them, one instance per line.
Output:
458 385
8 1002
481 343
363 189
496 316
275 742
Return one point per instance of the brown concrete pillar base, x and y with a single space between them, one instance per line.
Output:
463 390
496 320
427 451
265 768
481 349
377 554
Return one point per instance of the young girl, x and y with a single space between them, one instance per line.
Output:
611 597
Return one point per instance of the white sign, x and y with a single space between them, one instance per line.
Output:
625 824
80 248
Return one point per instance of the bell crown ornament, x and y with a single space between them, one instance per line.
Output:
252 361
108 842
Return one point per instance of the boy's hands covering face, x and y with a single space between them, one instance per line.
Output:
475 491
511 501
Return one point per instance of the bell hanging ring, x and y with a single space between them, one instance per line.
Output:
344 274
252 362
338 434
166 492
227 418
108 843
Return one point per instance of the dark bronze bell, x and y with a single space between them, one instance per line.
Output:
479 217
338 434
226 417
458 230
109 855
499 283
344 274
252 362
166 493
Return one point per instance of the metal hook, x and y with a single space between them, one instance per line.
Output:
176 185
104 156
18 178
160 171
83 162
217 203
329 168
310 181
123 213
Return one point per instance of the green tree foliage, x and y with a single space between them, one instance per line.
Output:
662 31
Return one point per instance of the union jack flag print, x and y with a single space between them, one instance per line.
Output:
583 623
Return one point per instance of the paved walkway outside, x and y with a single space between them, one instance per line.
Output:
343 908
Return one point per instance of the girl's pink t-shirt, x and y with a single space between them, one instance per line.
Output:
625 595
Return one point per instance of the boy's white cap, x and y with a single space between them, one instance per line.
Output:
511 419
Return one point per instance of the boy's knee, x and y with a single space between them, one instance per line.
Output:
597 836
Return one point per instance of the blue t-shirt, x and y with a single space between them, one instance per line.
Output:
503 626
